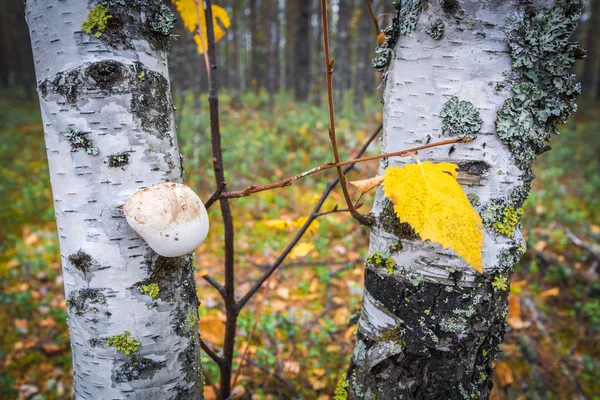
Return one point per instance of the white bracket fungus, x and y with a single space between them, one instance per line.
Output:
169 216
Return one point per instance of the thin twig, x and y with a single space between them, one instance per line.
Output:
215 196
317 208
211 353
231 313
289 180
214 284
250 335
373 17
329 69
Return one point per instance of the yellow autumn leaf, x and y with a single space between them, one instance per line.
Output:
428 198
189 16
301 250
279 224
312 228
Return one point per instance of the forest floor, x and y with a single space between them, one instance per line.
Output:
296 332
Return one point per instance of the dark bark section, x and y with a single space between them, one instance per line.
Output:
150 20
302 48
444 347
363 74
342 43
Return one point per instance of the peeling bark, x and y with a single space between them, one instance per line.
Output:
430 326
109 131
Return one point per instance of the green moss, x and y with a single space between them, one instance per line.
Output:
500 283
510 218
545 90
461 118
436 30
142 76
341 391
151 290
79 140
393 334
97 21
123 342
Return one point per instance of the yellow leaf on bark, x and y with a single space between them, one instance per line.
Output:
189 16
428 198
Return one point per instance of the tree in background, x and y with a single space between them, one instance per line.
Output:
105 97
430 326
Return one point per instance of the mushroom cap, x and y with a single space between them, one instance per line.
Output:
169 216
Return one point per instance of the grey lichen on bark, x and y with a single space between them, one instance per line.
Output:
109 131
430 326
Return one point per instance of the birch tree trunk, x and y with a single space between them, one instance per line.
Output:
430 326
109 131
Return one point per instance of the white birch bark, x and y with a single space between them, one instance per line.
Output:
109 131
430 329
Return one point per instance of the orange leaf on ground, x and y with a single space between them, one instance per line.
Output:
555 291
212 329
504 373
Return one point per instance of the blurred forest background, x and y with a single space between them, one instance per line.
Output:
297 332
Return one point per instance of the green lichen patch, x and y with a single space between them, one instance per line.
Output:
509 257
163 20
510 218
379 261
385 51
453 324
79 300
500 283
436 30
97 21
79 140
341 391
501 217
474 199
461 118
409 15
151 290
544 95
137 368
123 342
118 160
